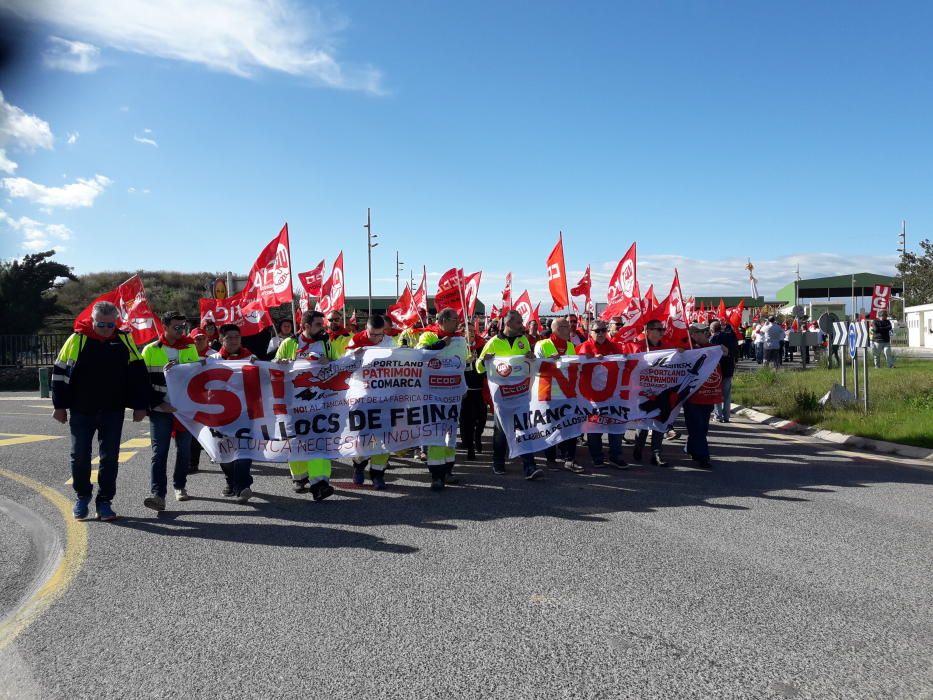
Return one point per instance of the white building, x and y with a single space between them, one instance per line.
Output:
919 321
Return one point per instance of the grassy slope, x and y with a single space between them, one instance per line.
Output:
900 400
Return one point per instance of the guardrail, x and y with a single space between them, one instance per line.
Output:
38 350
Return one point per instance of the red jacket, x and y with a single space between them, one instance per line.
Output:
591 349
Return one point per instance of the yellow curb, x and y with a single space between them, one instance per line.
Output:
70 563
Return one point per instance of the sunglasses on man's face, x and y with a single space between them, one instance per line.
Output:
597 331
180 328
656 329
103 324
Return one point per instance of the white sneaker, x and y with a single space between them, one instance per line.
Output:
572 466
181 495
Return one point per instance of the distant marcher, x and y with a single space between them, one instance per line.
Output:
284 329
97 374
599 345
881 340
773 337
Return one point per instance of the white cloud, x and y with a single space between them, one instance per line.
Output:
23 130
81 193
71 56
241 37
145 140
147 131
6 165
73 138
36 235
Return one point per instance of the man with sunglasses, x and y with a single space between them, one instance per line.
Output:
599 345
173 347
98 373
338 335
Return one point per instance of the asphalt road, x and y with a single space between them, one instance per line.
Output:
791 570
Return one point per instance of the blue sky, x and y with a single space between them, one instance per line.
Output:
709 132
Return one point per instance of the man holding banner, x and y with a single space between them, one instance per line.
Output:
512 343
312 343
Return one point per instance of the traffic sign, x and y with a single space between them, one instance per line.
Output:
858 337
853 341
840 333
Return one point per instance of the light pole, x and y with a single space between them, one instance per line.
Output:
398 273
903 251
369 254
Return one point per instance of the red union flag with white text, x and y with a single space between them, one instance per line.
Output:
622 282
247 313
332 291
312 280
136 317
557 276
270 279
524 307
880 298
404 313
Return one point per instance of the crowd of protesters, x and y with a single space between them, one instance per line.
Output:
100 372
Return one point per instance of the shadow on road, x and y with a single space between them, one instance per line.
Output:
751 463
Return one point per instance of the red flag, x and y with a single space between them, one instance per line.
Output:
332 291
452 279
557 275
534 314
450 291
523 306
622 282
677 322
880 299
735 316
722 309
247 313
352 320
404 313
494 313
136 317
584 286
421 296
270 279
471 291
312 280
507 294
632 323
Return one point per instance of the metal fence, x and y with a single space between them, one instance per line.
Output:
30 350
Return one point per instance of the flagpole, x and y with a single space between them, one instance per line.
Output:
560 237
291 287
466 320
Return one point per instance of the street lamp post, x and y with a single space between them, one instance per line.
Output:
398 273
369 254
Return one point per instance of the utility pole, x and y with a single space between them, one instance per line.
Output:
369 254
903 251
398 273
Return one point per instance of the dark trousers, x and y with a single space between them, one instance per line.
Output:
237 473
759 353
196 451
472 420
500 450
594 443
109 428
641 438
160 427
566 450
696 416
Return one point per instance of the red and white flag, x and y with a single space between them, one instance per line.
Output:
136 317
622 282
421 296
494 313
270 279
450 291
312 280
557 276
880 299
404 313
247 313
332 291
523 306
534 314
584 286
471 291
507 294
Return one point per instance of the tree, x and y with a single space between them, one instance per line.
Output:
27 291
917 273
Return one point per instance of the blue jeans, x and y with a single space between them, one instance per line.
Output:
724 409
759 353
109 428
160 425
500 448
696 416
237 473
594 443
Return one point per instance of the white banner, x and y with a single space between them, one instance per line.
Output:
379 400
542 402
